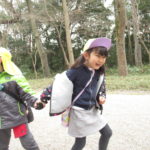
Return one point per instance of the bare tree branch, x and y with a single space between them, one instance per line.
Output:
10 21
9 7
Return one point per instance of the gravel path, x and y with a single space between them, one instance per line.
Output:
128 116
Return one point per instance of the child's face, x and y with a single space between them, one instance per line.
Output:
94 60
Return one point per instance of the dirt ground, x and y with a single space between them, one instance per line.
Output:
127 115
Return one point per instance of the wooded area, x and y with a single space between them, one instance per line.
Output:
47 35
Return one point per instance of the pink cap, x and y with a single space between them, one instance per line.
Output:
102 41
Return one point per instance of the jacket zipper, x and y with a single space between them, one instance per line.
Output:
19 109
90 97
90 103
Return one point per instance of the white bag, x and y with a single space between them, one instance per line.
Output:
61 97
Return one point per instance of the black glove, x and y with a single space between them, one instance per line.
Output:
39 106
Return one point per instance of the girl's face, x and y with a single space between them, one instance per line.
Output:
94 60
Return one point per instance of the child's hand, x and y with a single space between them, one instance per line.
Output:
39 105
45 98
102 100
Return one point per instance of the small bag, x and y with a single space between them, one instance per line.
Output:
65 117
20 130
61 94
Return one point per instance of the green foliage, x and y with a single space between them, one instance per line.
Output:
129 83
133 70
139 70
39 84
144 6
89 20
113 83
55 55
112 56
137 80
92 18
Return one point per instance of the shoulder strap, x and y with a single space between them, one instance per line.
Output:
89 81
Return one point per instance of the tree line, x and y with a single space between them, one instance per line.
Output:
47 35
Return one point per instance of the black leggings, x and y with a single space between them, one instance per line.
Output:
106 133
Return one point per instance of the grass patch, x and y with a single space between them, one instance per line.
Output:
40 84
129 83
113 83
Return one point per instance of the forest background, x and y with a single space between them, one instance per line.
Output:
45 37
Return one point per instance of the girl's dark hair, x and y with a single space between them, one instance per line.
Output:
102 51
2 65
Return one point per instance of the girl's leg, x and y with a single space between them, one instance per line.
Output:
106 133
5 135
79 143
28 141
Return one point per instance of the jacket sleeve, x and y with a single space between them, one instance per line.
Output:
21 80
47 92
71 74
25 96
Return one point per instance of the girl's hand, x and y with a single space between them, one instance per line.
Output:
102 100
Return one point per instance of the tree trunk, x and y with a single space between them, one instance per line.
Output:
137 48
59 36
120 40
130 50
62 47
4 41
42 53
146 48
67 28
33 56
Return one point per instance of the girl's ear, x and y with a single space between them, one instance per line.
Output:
85 55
